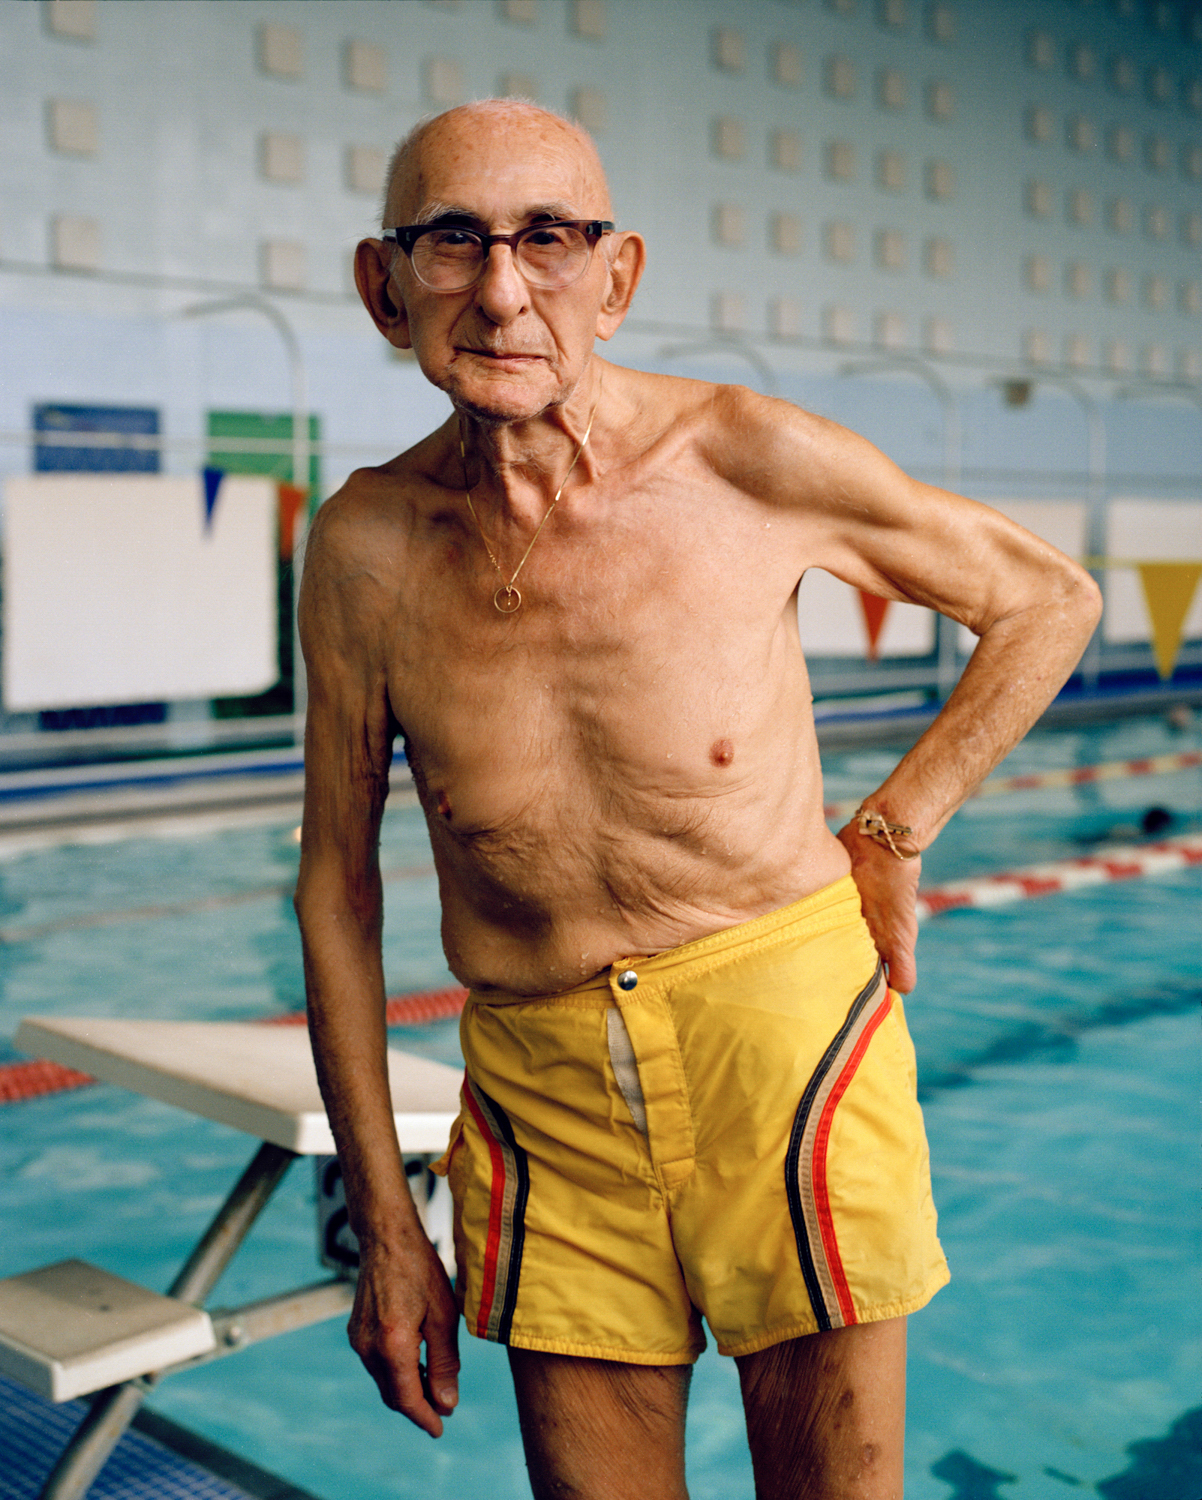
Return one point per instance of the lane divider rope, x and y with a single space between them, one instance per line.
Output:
1111 770
28 1080
1110 863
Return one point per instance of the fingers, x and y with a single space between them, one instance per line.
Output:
894 938
888 889
390 1343
442 1370
903 971
405 1384
894 930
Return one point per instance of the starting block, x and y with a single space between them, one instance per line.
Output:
69 1329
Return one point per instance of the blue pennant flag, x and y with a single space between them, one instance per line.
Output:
213 478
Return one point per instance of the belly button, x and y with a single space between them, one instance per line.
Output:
722 752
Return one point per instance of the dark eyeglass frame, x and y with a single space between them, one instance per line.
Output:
406 236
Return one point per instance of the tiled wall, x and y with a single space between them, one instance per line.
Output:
992 184
982 177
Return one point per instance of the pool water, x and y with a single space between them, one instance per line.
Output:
1058 1060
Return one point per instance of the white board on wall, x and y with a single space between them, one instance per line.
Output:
1148 531
830 621
116 591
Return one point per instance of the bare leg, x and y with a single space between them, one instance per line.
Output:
826 1414
595 1429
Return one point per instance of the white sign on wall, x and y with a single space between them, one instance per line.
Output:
118 590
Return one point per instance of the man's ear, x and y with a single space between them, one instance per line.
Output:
378 292
625 273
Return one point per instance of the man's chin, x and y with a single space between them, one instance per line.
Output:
509 392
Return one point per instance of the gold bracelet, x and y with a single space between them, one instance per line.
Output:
873 826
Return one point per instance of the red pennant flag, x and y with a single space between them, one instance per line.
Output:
291 501
874 609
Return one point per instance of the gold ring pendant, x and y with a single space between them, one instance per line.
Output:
508 599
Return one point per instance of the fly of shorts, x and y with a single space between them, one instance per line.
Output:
727 1131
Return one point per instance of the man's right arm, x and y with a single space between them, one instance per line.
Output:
403 1297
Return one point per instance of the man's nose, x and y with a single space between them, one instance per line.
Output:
501 292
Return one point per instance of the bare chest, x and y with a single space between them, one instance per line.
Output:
654 646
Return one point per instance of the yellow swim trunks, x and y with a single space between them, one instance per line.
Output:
728 1130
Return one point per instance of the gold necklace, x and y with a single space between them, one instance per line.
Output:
507 598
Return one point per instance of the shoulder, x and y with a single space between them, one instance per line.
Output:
364 526
772 448
719 422
359 545
767 447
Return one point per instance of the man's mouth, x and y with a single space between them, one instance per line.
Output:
504 355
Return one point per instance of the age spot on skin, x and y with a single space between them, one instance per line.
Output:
444 805
722 752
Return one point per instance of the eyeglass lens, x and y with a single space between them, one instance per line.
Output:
548 255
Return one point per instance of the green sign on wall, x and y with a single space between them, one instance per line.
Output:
268 445
261 443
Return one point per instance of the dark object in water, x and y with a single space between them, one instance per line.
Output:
1156 820
970 1480
1165 1468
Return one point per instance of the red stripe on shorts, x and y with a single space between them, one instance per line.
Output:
822 1202
496 1208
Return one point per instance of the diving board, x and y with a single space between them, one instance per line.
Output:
256 1078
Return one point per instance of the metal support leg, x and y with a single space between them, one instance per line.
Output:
113 1410
247 1200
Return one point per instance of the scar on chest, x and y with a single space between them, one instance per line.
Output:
722 752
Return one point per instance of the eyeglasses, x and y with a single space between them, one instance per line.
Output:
451 257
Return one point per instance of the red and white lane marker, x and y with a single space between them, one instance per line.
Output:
400 1010
1110 770
28 1080
1111 863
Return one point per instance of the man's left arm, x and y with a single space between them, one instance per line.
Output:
1021 661
1033 610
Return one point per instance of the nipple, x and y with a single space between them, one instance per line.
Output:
722 752
444 806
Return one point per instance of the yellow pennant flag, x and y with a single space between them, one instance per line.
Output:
1168 592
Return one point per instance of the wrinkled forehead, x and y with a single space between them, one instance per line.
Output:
500 169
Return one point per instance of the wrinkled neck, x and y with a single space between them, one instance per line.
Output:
513 457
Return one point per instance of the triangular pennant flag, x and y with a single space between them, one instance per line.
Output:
213 478
1168 593
291 501
874 609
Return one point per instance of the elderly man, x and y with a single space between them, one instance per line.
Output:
689 1089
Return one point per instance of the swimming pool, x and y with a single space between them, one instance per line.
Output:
1058 1061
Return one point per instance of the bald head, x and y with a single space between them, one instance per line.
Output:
425 164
